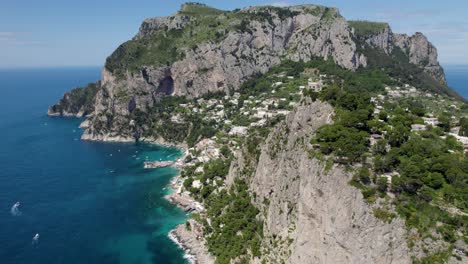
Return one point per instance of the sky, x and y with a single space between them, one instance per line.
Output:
56 33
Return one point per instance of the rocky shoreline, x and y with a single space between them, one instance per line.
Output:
157 164
192 244
188 236
189 239
125 139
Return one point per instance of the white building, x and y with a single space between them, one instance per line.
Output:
259 123
374 138
238 130
315 86
433 121
418 127
196 184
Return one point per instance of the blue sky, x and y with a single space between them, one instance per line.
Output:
50 33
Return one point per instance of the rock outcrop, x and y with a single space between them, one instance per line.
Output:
319 215
78 102
307 31
310 211
417 47
201 50
421 52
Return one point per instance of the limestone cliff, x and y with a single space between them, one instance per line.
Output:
321 218
200 50
254 40
421 52
310 211
417 48
77 102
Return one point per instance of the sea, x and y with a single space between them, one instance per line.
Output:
88 202
76 201
457 78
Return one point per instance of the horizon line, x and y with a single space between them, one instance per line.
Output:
49 67
100 66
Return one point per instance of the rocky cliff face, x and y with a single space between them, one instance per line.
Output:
421 52
311 213
77 102
201 50
270 35
313 209
417 47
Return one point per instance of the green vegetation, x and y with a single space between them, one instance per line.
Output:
316 11
347 137
199 9
77 99
435 258
397 66
384 215
329 14
159 49
235 230
431 172
163 47
367 28
463 127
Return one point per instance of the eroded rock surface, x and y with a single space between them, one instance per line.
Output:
327 219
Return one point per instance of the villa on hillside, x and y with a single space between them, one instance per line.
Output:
418 127
314 86
433 121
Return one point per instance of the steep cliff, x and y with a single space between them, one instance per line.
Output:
311 211
301 208
201 50
77 102
417 48
421 52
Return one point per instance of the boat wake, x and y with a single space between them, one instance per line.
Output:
15 211
35 239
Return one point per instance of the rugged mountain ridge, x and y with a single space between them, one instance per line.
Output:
310 212
203 50
417 47
222 65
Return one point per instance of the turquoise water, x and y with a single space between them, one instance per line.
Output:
89 202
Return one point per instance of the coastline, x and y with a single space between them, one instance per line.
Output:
187 236
191 243
122 139
189 239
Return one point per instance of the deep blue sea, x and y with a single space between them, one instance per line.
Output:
89 202
457 78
